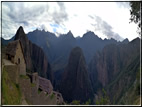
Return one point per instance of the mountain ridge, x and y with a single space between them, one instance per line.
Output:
36 60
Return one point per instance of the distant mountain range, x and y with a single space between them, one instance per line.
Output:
81 67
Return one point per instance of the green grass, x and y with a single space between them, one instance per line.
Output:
11 94
33 85
24 76
52 96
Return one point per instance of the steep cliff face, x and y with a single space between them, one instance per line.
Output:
104 66
75 84
107 64
39 60
36 60
125 88
115 69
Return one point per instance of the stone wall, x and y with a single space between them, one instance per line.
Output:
19 55
35 79
25 86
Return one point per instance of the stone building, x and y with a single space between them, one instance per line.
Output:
14 53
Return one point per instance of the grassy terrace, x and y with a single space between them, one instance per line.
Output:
24 76
11 94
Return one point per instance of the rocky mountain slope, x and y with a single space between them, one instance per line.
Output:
75 84
85 66
36 60
115 69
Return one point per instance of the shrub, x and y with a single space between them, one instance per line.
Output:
52 96
75 102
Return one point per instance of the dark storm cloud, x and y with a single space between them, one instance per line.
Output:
105 28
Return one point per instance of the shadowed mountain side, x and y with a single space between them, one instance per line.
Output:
57 49
115 68
36 60
75 83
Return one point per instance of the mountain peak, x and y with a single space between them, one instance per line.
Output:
20 33
21 29
69 34
90 35
125 40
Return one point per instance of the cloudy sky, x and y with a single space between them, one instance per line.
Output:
106 19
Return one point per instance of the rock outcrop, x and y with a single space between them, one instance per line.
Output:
36 60
75 84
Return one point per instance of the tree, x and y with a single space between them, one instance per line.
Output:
75 102
135 13
104 100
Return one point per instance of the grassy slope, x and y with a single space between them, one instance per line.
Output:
11 94
129 81
132 96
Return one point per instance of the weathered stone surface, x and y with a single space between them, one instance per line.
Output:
25 86
45 85
14 53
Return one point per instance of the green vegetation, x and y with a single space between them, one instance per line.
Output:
88 102
11 94
75 102
104 100
52 96
132 95
24 76
135 13
39 91
46 94
124 87
33 85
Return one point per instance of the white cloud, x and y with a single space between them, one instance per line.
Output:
69 16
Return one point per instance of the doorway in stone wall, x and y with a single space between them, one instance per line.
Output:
18 60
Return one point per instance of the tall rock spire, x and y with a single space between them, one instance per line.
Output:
76 83
20 34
